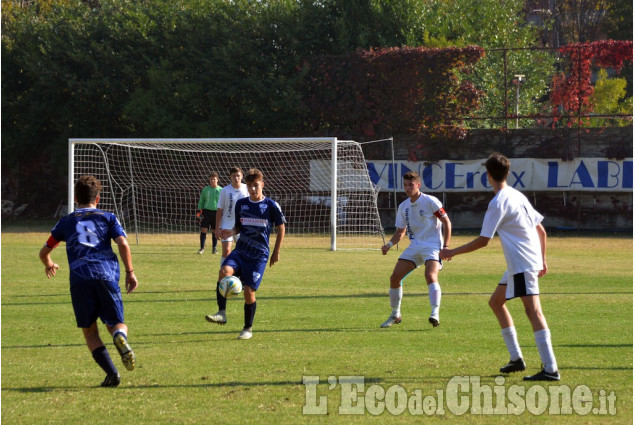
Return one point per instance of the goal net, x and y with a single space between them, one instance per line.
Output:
153 185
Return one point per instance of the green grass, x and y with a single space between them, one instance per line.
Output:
318 315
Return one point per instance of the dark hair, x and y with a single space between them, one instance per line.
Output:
253 175
235 170
497 166
213 174
87 188
412 175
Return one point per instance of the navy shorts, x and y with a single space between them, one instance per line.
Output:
94 299
249 271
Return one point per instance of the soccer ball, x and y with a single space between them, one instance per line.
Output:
230 286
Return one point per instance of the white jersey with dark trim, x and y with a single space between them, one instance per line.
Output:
421 221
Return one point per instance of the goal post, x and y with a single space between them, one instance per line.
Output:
153 185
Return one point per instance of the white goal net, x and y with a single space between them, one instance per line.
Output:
153 185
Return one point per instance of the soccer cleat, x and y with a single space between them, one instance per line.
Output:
111 380
214 251
219 318
434 321
391 321
543 375
127 355
245 334
202 250
513 366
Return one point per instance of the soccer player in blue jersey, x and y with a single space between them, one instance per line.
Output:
94 274
255 216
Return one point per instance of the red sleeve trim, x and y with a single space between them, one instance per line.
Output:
440 213
52 242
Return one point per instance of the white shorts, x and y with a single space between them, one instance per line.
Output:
520 284
419 255
231 238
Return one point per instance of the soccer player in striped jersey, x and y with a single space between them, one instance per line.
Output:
428 227
255 217
94 274
524 242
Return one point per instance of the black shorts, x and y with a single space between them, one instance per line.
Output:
208 219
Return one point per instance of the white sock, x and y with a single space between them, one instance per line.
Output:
395 300
434 293
511 341
121 331
543 342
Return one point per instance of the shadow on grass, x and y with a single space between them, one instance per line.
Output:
284 297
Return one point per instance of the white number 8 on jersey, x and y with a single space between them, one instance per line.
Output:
86 233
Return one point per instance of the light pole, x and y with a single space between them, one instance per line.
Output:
519 79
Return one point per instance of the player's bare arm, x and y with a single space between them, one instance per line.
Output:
219 218
447 230
50 268
477 243
275 255
396 238
126 259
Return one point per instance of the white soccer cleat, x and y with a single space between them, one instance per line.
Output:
392 320
245 334
219 318
202 250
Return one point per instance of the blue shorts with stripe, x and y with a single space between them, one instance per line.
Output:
94 299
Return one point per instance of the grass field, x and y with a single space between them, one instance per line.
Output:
318 315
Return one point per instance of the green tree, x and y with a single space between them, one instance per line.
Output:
609 97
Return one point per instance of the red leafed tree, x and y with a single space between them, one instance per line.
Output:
374 93
571 90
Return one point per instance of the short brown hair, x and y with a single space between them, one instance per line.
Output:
497 166
213 174
253 175
235 170
87 188
412 175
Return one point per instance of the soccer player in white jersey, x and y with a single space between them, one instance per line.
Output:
225 208
524 242
428 227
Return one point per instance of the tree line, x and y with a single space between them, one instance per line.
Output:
244 68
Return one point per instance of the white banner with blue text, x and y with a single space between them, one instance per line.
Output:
580 174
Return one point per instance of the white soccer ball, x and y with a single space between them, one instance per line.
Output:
230 286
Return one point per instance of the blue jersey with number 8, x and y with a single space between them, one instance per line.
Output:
87 233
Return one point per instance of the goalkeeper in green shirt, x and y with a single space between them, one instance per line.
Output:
206 213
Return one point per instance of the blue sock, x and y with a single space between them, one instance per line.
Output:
250 312
102 357
220 300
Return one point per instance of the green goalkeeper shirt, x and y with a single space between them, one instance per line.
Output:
209 198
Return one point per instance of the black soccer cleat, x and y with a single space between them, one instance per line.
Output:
543 375
513 366
111 380
433 321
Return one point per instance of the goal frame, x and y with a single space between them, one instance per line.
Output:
334 168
